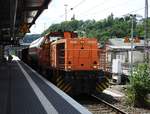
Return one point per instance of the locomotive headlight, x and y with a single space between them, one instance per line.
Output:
69 67
94 66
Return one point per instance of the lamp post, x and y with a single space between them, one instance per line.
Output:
66 11
133 18
146 32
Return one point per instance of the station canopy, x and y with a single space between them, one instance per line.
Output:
17 16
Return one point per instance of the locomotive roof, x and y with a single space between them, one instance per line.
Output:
37 42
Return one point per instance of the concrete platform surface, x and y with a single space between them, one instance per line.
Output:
24 91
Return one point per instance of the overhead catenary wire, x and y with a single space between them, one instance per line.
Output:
81 2
134 11
62 15
68 11
76 6
93 7
103 10
123 14
91 14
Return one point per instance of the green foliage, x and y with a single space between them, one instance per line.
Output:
139 86
102 30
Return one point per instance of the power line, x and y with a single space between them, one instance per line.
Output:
90 9
67 12
85 14
135 10
77 5
93 8
97 6
108 8
81 2
120 15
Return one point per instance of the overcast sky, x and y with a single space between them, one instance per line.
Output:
86 9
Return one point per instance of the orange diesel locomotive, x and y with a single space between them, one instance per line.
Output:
71 63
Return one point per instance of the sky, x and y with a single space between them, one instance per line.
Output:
85 10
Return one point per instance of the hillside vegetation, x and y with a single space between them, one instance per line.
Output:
102 30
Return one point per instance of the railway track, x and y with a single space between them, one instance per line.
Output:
99 105
105 108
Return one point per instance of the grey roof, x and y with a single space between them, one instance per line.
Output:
119 43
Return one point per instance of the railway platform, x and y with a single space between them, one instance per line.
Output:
24 91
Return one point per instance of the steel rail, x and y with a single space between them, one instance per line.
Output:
117 110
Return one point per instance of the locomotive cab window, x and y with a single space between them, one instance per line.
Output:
54 38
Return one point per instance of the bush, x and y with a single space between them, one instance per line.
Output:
139 86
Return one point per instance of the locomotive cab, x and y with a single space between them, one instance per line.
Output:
72 53
77 63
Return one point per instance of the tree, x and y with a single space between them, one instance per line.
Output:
102 30
139 86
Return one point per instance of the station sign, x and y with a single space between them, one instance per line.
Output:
24 28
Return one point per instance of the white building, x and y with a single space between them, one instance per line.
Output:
118 49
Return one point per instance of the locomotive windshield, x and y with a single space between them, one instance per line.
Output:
53 38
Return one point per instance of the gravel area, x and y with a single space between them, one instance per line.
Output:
96 107
121 102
